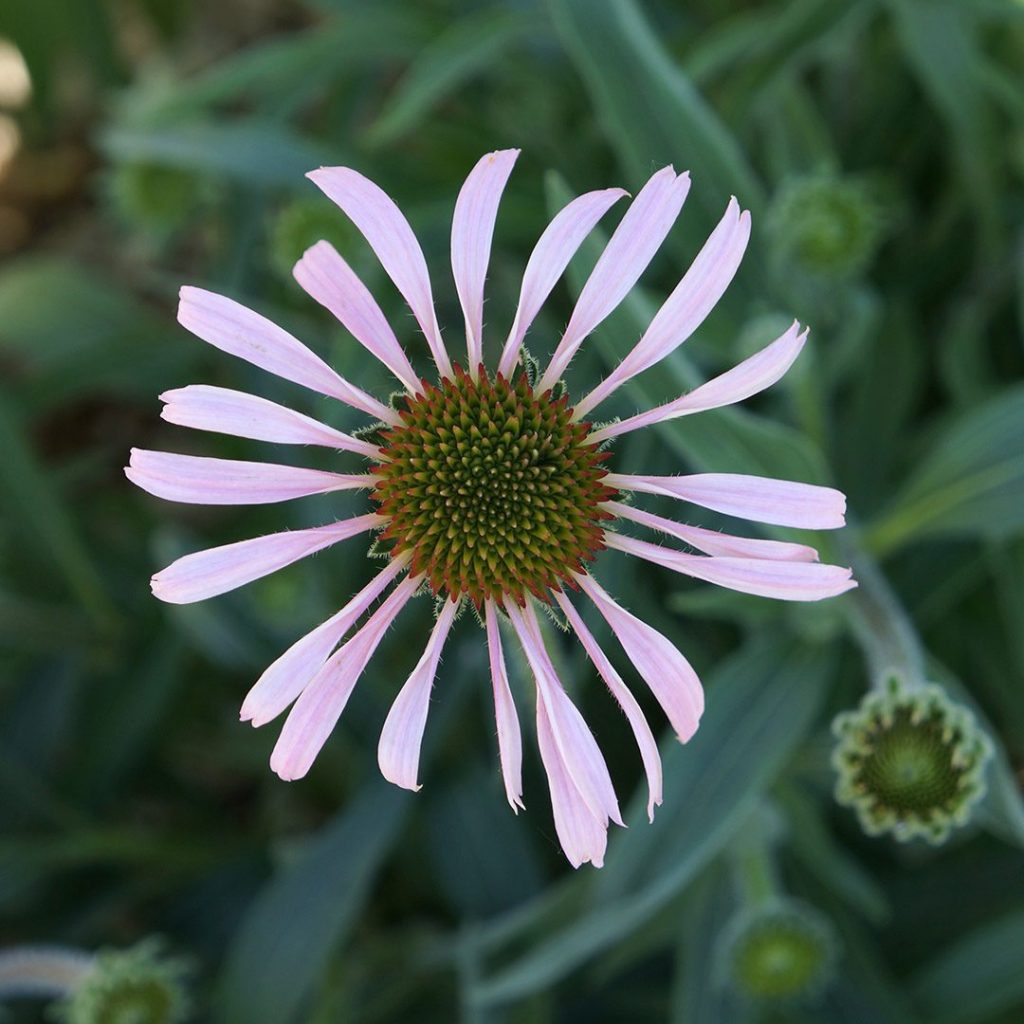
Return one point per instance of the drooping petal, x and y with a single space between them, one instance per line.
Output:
215 571
685 309
758 498
555 248
510 740
382 224
232 328
788 581
398 752
576 744
199 481
669 675
637 238
321 703
760 371
711 542
223 411
327 278
287 677
634 714
476 210
582 834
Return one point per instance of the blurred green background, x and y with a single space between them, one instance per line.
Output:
147 143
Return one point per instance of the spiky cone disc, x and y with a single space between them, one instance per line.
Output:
780 952
494 490
910 762
131 986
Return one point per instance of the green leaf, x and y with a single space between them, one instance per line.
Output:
650 110
978 976
294 925
970 482
44 518
761 704
253 151
456 55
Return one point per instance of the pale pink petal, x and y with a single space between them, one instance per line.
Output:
711 542
510 740
669 675
685 309
576 744
641 730
321 703
555 248
382 224
215 571
327 278
232 328
582 834
287 677
200 481
755 374
758 498
476 210
637 238
398 752
223 411
789 581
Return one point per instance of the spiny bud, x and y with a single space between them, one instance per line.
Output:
133 986
910 762
779 952
153 197
300 224
826 226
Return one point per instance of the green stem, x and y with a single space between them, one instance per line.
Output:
880 623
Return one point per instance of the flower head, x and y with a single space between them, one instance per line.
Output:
910 762
132 986
782 952
487 486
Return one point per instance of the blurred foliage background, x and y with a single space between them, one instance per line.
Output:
880 147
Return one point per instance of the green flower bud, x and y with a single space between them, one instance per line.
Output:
910 762
153 197
302 223
782 951
826 227
133 986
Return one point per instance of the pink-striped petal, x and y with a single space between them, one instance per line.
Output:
232 328
200 481
327 278
321 703
582 834
476 210
215 571
638 723
711 542
223 411
382 224
576 744
555 248
287 677
685 309
398 752
760 371
510 740
757 498
788 581
669 675
635 241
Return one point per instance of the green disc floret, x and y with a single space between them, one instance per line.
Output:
494 490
